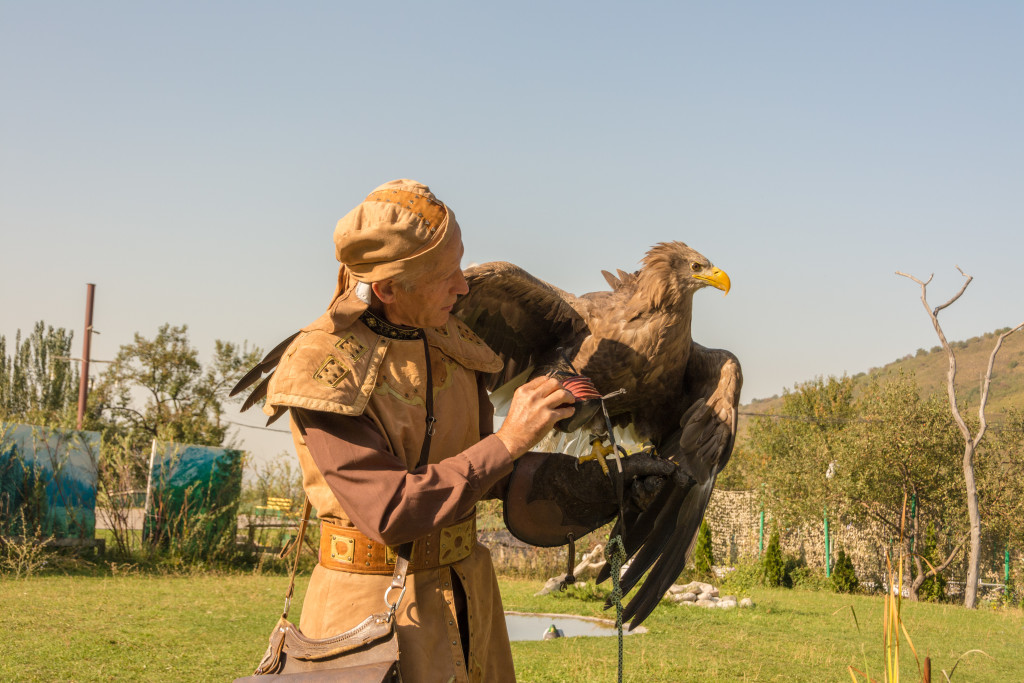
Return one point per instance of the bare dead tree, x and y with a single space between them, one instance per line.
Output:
971 441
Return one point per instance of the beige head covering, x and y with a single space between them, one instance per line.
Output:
395 230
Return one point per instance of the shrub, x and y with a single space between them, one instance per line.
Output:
934 587
806 578
702 556
773 565
1012 595
21 556
744 577
844 579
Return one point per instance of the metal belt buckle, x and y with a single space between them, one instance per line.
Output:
343 549
457 541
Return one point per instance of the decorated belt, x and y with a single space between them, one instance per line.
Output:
347 549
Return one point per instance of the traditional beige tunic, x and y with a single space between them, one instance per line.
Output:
358 420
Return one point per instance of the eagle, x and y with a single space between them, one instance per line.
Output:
633 341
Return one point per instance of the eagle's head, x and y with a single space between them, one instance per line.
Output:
672 272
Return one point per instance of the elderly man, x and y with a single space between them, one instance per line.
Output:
393 433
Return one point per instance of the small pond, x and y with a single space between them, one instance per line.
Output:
530 626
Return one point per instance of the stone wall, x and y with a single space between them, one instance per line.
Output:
512 557
734 520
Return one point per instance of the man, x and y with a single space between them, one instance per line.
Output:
393 432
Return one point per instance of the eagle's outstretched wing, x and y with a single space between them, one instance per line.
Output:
661 537
521 318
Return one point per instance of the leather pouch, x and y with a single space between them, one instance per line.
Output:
366 653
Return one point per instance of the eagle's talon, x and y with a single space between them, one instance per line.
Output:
598 451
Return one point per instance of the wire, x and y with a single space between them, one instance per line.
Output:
800 418
268 429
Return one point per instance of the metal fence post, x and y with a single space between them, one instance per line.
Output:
828 546
1006 565
760 536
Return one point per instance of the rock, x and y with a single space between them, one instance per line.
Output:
726 604
704 603
698 587
688 597
713 591
730 597
746 602
706 595
675 589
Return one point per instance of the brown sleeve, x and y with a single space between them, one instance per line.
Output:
486 429
385 501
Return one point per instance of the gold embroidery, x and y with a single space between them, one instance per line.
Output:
386 329
450 368
351 346
384 387
331 372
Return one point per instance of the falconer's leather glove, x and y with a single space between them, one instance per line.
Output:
552 495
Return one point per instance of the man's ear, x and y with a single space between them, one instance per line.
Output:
385 290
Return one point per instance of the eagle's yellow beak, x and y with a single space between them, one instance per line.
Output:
718 279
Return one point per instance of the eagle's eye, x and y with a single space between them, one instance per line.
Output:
695 267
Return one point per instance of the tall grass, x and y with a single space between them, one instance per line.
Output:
892 622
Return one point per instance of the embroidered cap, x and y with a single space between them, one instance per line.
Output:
394 230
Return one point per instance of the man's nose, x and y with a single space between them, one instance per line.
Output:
461 286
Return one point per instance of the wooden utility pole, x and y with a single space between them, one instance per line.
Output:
83 385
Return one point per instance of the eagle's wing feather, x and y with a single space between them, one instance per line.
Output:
520 317
268 364
661 538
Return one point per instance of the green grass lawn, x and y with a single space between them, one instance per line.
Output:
206 627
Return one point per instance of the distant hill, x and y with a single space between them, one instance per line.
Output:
930 368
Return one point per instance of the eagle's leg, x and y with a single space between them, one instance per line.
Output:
598 451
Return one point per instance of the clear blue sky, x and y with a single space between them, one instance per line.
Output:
192 159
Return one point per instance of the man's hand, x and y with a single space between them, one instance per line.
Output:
536 407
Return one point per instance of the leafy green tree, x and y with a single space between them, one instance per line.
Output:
867 454
773 565
933 588
743 472
844 578
158 389
797 447
903 448
703 558
1000 472
38 380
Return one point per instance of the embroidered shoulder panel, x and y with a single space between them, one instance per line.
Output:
326 372
463 346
